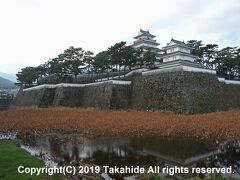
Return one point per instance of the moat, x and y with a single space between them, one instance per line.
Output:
58 149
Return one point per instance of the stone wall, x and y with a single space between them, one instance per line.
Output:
97 96
121 96
102 95
183 92
28 98
232 94
177 91
47 98
163 91
68 96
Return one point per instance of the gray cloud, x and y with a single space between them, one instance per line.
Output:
34 30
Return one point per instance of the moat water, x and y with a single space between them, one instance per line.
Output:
57 149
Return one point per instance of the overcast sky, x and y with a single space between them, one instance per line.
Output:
32 31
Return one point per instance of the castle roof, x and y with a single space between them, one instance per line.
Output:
174 43
177 41
144 33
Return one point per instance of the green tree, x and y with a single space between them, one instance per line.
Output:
227 62
237 61
41 71
116 53
101 62
27 76
129 57
149 58
56 66
88 60
72 60
209 54
197 49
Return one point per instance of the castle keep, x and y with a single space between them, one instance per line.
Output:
177 84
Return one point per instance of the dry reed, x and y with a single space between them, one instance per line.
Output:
214 127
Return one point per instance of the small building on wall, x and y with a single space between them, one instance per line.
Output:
177 50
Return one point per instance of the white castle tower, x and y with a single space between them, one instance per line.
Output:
145 41
177 50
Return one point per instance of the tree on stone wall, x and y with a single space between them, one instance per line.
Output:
226 61
27 76
88 60
116 53
57 66
129 58
101 62
209 54
149 58
121 57
197 49
73 60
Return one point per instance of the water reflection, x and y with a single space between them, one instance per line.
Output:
147 151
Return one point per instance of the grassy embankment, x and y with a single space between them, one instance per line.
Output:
12 156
